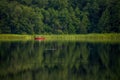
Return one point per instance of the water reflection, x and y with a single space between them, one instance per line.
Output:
59 61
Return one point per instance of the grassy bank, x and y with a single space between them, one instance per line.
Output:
112 37
15 37
85 37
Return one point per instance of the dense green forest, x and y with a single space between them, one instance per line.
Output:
59 16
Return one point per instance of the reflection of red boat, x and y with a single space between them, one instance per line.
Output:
39 38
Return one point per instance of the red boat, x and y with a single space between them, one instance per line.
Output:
39 38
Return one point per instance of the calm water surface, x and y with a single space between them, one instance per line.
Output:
34 60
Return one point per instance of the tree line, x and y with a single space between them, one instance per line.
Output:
59 16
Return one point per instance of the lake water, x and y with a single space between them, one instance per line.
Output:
34 60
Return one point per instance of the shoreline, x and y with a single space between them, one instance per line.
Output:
107 37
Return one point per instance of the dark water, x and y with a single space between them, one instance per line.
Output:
59 61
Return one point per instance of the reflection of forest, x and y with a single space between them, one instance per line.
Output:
59 61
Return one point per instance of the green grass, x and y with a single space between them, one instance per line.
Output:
111 37
15 37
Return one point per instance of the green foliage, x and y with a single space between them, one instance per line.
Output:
115 15
104 22
85 23
59 16
20 19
